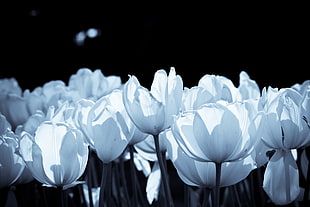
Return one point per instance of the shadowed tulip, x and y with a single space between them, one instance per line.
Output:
105 126
92 84
14 108
11 164
9 85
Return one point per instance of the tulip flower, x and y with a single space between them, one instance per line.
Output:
286 128
11 164
152 111
108 129
52 93
304 90
14 108
303 87
92 85
195 97
216 132
9 86
220 87
202 174
248 88
62 113
134 135
56 155
107 125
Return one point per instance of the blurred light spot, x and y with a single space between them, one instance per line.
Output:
92 33
34 12
80 38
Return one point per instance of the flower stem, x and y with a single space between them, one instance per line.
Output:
218 167
186 195
62 199
164 173
206 194
105 186
123 180
4 195
89 180
236 195
287 179
133 176
307 186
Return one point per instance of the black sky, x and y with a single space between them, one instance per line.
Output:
270 44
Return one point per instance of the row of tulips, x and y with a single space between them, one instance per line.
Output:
93 138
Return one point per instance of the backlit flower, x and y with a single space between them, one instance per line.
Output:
202 174
286 128
105 127
152 111
216 132
286 125
57 155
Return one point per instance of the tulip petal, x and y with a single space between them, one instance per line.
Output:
272 136
32 155
236 171
108 139
182 130
159 85
248 88
11 165
153 183
144 110
14 108
218 132
195 97
49 137
69 159
173 97
281 178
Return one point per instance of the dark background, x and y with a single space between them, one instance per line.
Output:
269 42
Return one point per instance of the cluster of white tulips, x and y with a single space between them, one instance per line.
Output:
99 141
